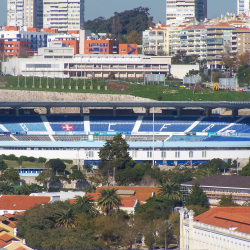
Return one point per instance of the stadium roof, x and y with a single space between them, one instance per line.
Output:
150 104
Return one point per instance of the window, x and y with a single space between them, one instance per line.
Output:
204 154
134 154
191 154
91 153
101 49
163 154
105 50
177 154
149 154
16 45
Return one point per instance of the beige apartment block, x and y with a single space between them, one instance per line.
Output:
156 40
241 40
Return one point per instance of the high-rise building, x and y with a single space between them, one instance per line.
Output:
178 11
22 13
63 15
243 6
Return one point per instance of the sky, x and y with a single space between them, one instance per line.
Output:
106 8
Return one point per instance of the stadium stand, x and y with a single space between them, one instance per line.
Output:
134 125
226 138
186 138
6 138
166 124
32 138
109 123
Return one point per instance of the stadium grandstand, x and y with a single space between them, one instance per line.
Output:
182 132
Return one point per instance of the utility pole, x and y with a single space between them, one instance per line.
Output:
113 176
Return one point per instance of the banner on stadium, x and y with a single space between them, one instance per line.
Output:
212 133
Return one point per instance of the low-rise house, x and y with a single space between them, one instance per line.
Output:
60 196
131 196
11 204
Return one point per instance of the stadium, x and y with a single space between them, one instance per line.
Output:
181 132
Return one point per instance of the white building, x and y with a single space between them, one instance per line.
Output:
179 11
22 12
243 6
60 196
63 15
224 228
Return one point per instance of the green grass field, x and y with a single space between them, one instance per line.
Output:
26 164
147 91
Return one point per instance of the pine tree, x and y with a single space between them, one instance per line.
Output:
197 197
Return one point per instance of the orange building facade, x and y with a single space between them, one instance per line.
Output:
16 48
71 43
128 49
101 47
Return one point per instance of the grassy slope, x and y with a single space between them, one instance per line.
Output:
146 91
26 164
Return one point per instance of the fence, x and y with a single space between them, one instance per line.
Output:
191 79
228 83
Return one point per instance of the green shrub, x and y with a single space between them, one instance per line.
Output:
41 160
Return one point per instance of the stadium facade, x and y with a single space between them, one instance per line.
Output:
164 138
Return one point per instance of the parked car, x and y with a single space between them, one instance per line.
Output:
8 75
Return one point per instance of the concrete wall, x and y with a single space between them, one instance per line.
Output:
180 70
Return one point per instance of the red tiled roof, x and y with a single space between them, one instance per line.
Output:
221 25
227 217
141 193
128 203
242 30
21 202
6 237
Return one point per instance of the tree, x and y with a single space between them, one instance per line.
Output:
197 197
171 190
245 171
84 204
27 189
3 165
158 207
134 38
41 160
227 201
77 175
65 218
6 188
45 177
108 201
56 164
99 178
10 175
215 165
115 153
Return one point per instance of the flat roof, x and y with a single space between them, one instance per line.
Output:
150 104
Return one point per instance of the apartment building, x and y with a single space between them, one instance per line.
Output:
193 40
22 13
241 40
63 15
219 36
180 11
243 6
156 41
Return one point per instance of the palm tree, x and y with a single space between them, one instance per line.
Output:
65 218
108 200
84 203
171 190
6 188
